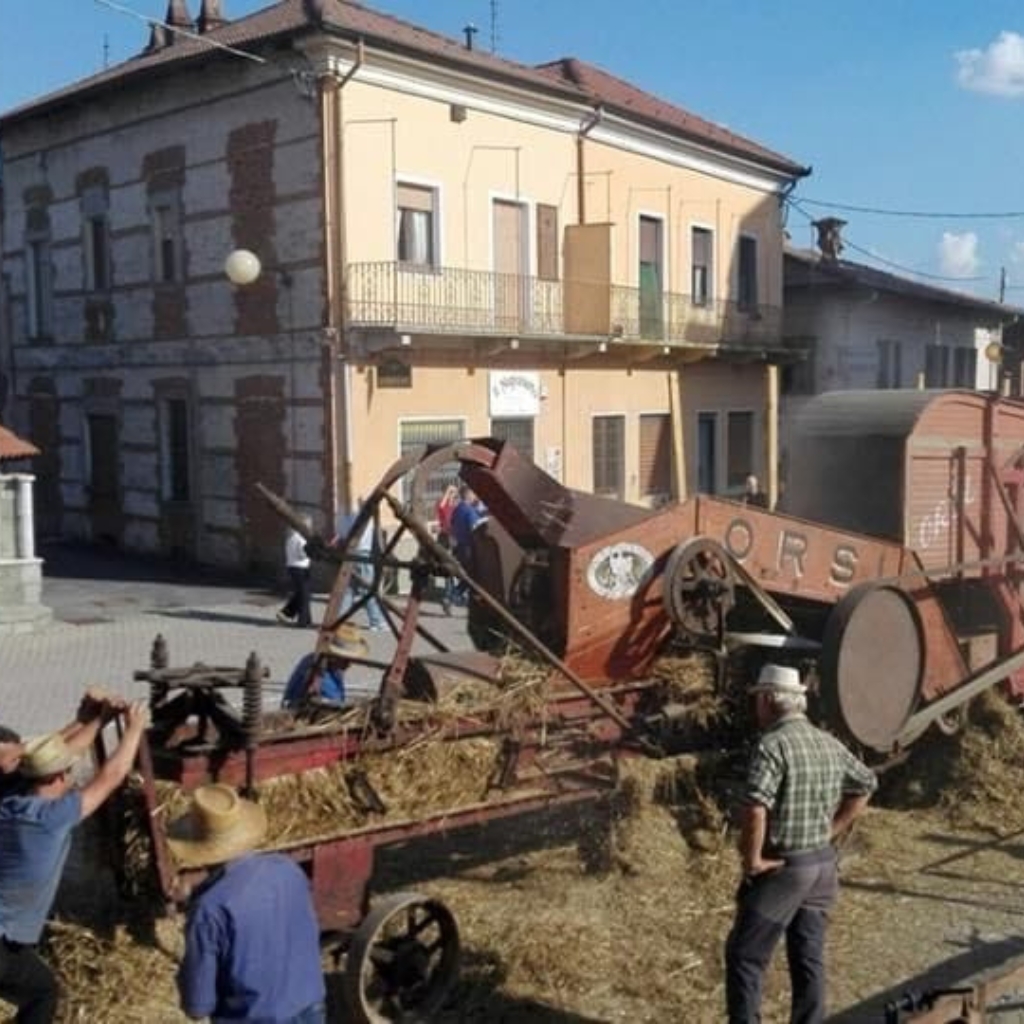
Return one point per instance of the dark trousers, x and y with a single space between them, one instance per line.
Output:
795 901
27 981
297 606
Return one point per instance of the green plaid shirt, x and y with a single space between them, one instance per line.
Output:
801 774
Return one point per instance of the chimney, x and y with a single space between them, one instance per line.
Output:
178 17
830 237
157 38
211 16
470 31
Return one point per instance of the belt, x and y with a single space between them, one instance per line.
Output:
815 856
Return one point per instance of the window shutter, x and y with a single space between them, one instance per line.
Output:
547 242
655 454
411 197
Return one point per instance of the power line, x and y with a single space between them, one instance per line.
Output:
921 214
795 204
180 31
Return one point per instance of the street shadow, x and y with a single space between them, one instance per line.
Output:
980 956
207 615
68 560
475 998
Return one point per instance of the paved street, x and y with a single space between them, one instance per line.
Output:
108 609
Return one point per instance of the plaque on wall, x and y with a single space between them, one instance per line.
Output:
393 373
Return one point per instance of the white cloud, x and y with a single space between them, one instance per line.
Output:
958 254
998 69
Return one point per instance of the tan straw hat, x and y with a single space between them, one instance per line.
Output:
46 756
218 827
348 642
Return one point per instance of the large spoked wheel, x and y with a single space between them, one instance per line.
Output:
699 588
403 960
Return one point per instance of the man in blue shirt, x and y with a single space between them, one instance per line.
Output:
35 837
322 676
465 518
252 941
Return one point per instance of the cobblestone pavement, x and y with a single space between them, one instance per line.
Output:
108 609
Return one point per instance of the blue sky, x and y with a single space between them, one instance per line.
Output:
910 105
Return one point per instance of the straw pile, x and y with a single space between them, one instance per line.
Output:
625 922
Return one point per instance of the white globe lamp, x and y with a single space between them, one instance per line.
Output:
242 267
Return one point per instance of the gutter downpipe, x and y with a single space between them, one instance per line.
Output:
587 125
345 500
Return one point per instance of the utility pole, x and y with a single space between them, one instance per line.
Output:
1002 284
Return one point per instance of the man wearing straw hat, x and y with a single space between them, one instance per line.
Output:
804 789
323 675
252 941
35 838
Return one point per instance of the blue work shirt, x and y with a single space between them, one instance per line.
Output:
35 837
332 683
252 944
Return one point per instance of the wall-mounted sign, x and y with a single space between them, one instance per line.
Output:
514 393
393 373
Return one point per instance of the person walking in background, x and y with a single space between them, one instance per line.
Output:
296 610
252 941
362 571
443 511
465 516
804 790
36 824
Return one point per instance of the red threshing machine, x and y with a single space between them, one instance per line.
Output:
894 570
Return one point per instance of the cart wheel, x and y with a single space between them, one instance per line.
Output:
403 960
699 588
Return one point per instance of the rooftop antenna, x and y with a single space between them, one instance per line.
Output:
106 50
494 26
470 31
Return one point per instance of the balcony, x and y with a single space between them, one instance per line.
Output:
476 303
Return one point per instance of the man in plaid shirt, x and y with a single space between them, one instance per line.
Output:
804 789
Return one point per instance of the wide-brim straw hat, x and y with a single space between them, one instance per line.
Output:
45 756
778 679
348 642
219 826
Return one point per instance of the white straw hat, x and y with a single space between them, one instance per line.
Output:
218 827
348 642
778 679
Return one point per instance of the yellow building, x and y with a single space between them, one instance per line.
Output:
452 244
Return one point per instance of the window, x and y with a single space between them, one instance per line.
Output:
746 293
707 452
417 226
37 287
609 456
656 455
965 367
701 266
175 463
413 434
890 364
165 217
517 431
798 377
936 366
739 448
98 254
547 242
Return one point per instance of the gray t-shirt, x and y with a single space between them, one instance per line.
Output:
35 837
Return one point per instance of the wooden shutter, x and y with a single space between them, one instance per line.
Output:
655 455
547 242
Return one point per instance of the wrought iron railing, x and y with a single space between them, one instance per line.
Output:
448 300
